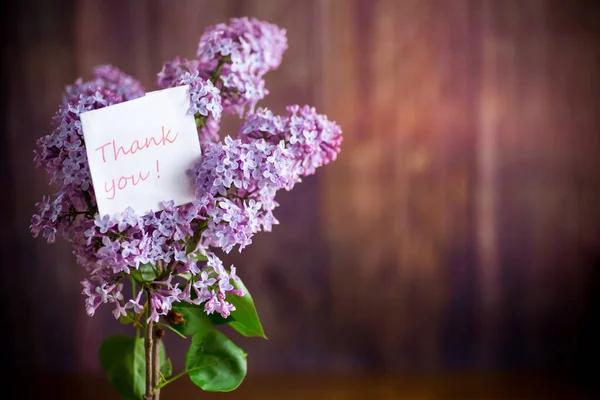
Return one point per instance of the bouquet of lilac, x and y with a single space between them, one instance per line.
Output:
159 271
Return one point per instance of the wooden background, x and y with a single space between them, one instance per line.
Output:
458 229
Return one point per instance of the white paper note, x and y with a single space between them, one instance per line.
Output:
139 152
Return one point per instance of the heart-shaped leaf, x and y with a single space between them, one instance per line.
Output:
215 363
124 362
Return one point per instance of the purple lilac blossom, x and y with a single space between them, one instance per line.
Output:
245 170
174 71
310 138
110 250
205 103
238 182
204 96
53 218
211 287
63 152
236 56
110 78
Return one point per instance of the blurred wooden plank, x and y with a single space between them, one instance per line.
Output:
490 108
39 60
178 26
533 157
403 173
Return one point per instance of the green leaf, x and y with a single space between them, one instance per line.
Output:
244 319
194 318
127 319
199 257
144 273
245 315
215 363
165 367
216 319
124 362
192 243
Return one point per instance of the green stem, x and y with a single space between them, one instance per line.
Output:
73 214
165 383
217 74
139 316
179 375
173 329
162 377
88 201
134 295
135 323
199 118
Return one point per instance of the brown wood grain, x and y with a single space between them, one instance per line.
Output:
459 225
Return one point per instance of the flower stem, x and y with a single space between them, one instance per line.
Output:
217 74
88 201
179 375
173 329
148 349
158 335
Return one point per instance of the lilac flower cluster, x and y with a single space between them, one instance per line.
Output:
62 152
244 51
205 97
237 180
109 78
237 183
234 57
170 252
174 71
154 244
310 138
54 217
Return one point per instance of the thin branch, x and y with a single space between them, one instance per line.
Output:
173 329
187 371
148 349
158 335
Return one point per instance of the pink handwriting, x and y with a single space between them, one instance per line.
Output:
122 182
162 140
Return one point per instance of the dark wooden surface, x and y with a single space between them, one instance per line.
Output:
458 228
334 387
